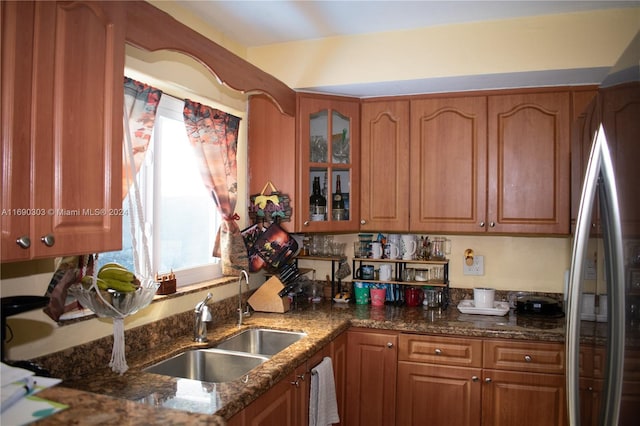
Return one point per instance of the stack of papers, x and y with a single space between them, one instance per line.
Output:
19 405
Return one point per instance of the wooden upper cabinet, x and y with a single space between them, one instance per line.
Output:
448 164
620 116
385 177
528 163
272 150
584 122
75 118
15 118
329 147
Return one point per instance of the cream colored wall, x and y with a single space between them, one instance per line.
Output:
554 42
510 263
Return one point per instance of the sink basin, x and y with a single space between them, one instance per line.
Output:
261 341
208 365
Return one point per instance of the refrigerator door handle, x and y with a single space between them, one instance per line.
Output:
599 174
614 269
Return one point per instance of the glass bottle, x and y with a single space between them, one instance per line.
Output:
337 206
317 203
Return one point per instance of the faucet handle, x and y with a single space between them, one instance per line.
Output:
203 304
205 314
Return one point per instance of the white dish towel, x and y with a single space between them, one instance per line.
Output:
323 405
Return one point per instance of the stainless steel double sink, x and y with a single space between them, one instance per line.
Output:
229 360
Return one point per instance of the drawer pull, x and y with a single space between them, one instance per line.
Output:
438 351
389 345
48 240
24 242
528 358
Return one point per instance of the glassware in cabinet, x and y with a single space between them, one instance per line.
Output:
329 129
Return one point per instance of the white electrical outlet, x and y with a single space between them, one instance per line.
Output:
477 268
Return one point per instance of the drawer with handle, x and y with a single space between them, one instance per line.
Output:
440 350
525 356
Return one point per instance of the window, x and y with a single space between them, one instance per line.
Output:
181 217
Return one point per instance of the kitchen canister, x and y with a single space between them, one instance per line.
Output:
378 296
361 291
483 297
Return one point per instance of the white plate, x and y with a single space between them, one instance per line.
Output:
468 307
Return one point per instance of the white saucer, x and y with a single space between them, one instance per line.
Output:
468 307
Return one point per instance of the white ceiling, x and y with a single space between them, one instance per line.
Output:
255 23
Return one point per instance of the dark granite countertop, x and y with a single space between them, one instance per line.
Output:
143 398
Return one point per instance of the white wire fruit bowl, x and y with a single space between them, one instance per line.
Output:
124 303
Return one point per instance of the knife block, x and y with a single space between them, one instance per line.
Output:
266 299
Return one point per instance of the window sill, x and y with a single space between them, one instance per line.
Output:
80 315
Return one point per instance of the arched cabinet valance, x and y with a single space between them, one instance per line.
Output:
151 29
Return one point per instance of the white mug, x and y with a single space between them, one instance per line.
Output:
409 246
376 250
392 251
483 297
385 272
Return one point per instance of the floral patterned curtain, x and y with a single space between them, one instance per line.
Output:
214 137
141 103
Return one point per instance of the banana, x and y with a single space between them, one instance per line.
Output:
119 286
112 265
87 281
117 274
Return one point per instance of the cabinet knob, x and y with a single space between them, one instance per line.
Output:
492 224
24 242
306 223
438 351
296 383
487 380
474 378
482 224
48 240
389 345
528 358
363 222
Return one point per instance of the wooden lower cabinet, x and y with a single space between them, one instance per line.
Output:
450 380
372 362
533 399
438 395
338 354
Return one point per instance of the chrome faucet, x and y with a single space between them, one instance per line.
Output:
242 313
202 317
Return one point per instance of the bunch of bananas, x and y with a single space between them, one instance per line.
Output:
113 276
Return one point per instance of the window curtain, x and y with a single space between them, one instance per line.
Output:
214 137
141 103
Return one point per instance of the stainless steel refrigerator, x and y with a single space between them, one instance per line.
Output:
603 297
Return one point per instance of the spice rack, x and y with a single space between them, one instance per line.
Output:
399 265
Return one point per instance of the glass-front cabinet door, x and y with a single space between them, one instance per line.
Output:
329 159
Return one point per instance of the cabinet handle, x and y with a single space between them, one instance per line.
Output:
438 351
487 380
482 224
389 345
24 242
306 223
474 378
48 240
528 358
296 383
492 224
363 222
301 377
